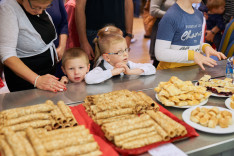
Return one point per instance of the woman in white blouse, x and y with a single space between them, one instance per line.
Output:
26 45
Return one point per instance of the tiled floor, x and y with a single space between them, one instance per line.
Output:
139 49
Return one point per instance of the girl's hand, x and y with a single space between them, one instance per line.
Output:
117 71
129 71
200 60
50 83
211 52
64 80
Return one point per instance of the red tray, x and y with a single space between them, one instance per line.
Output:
83 119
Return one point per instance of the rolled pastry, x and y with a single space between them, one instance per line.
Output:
75 150
5 148
66 111
26 118
94 153
14 142
151 104
28 147
67 130
112 113
161 132
110 133
18 112
56 144
116 118
133 133
163 123
126 122
168 124
36 142
33 124
138 137
142 142
58 115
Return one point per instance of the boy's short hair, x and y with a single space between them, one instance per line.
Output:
73 53
214 4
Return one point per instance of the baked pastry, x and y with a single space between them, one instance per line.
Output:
217 86
211 117
176 92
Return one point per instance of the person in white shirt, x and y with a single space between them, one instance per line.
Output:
111 57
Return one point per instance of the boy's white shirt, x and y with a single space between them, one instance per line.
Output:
98 75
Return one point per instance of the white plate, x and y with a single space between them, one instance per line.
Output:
200 104
216 130
227 103
213 94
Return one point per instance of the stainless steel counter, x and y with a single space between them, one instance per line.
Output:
205 144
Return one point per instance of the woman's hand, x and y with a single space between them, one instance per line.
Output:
50 83
209 36
88 49
60 52
201 59
211 52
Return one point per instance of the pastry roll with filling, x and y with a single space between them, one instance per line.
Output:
56 144
18 112
5 148
66 111
36 142
28 147
75 150
14 141
116 118
33 124
26 118
134 133
112 113
138 137
142 142
110 133
126 122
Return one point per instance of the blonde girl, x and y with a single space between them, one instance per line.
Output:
111 57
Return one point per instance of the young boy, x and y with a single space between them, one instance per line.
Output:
75 64
215 22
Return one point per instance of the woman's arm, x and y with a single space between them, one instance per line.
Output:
62 45
63 30
44 82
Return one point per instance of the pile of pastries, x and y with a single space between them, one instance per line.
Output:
217 86
131 119
176 92
46 115
31 142
211 117
146 129
117 105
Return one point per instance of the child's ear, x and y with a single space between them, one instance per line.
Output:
88 68
64 71
106 57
